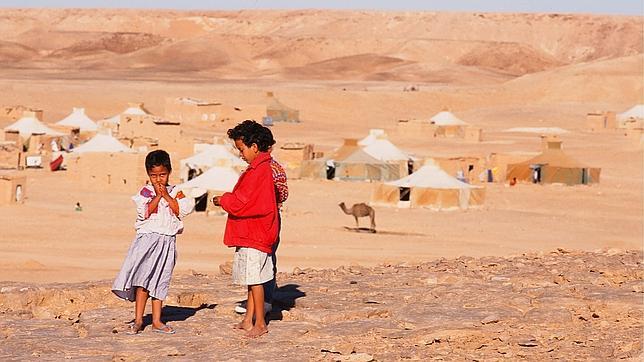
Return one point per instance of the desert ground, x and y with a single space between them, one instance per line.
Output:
345 72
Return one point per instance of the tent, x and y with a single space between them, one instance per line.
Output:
78 119
28 125
102 143
448 125
359 165
632 118
215 181
133 108
212 155
429 187
447 118
279 112
350 162
553 166
374 134
217 178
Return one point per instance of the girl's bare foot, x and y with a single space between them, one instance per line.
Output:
247 326
256 332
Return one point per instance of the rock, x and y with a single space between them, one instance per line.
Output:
490 319
298 271
527 342
226 268
357 357
431 281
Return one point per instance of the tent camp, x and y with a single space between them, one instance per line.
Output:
212 155
279 112
78 119
215 181
429 187
102 143
632 118
553 166
30 125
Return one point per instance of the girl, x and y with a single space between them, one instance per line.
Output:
148 266
252 224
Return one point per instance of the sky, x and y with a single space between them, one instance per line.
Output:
623 7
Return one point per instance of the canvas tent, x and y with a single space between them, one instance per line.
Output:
30 125
133 109
350 162
78 119
210 156
448 125
429 187
215 181
632 118
279 112
553 166
102 143
360 166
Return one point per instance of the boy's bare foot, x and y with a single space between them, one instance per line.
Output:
256 332
247 326
135 328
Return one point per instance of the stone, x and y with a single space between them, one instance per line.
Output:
490 319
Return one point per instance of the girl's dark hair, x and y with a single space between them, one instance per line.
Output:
157 158
250 132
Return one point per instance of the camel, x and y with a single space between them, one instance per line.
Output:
360 210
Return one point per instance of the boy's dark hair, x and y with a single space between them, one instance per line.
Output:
250 132
158 158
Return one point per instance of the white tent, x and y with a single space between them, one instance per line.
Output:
217 178
132 109
447 118
374 134
79 119
636 113
430 176
429 187
26 126
102 143
212 155
379 147
382 149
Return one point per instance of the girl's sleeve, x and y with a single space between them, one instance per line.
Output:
141 200
186 204
254 197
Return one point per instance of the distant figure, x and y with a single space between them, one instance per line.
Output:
460 175
54 146
148 266
513 181
360 210
78 207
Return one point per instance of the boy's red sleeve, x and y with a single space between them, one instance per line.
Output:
253 197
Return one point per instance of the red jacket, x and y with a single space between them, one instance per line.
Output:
252 208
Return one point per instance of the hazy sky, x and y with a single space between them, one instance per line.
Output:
629 7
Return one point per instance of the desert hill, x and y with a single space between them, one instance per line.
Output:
313 44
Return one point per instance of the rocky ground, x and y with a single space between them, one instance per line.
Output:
560 305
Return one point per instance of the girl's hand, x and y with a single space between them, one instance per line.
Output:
215 200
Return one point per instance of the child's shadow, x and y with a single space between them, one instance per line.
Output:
171 313
284 299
